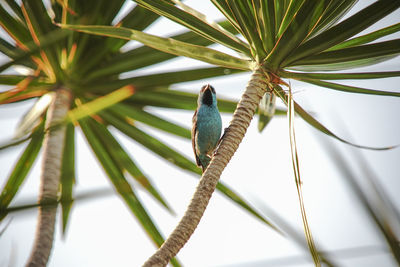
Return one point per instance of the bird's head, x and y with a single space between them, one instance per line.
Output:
207 96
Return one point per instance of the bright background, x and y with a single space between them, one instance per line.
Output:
103 232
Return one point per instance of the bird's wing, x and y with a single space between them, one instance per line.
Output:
194 132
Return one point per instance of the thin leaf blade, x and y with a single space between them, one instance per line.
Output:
296 171
67 179
350 89
317 125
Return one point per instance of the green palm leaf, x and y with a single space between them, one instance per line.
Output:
67 175
21 169
317 125
350 89
167 45
340 76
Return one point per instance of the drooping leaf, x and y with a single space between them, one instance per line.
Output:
317 125
350 89
296 171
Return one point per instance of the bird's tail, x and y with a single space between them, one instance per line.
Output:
204 161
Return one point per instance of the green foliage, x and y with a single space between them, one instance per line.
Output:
90 67
306 36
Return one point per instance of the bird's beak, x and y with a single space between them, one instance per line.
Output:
207 87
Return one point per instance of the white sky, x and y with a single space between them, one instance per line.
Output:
104 233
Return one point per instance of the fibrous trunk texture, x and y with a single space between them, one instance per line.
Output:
233 135
50 178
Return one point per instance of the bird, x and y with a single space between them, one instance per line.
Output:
206 126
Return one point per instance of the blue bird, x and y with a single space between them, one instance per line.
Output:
206 126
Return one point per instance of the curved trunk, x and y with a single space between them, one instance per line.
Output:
233 135
50 178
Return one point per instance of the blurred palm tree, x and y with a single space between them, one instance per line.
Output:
280 39
75 80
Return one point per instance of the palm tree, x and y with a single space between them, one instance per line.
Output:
75 80
282 39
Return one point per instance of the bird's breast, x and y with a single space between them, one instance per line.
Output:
209 128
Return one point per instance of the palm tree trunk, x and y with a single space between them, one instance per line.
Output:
244 112
50 178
